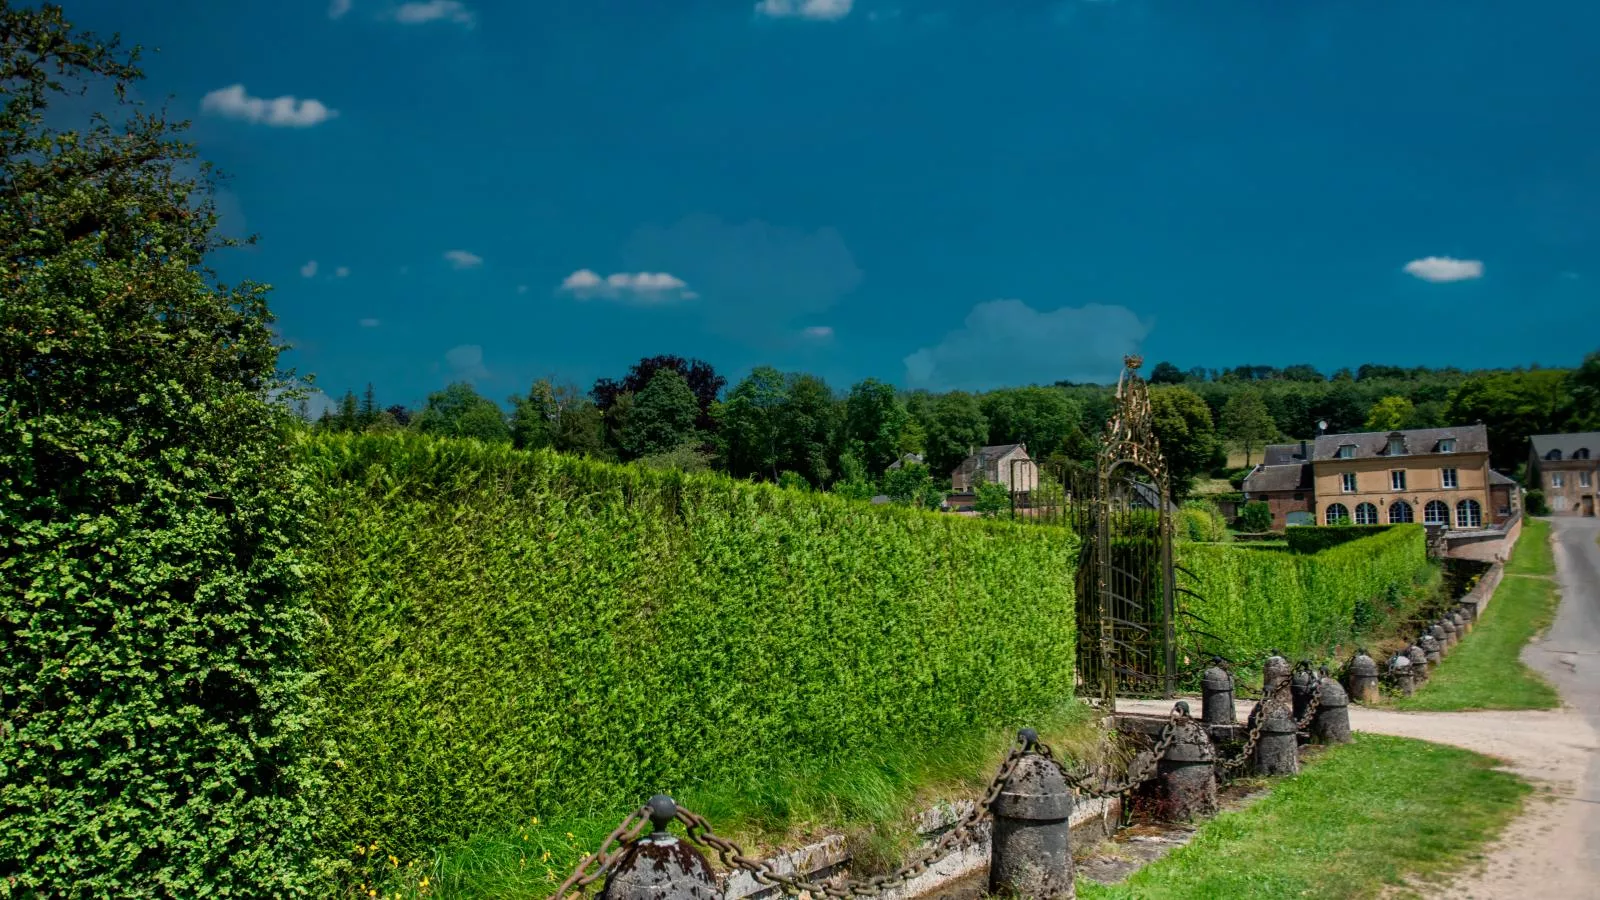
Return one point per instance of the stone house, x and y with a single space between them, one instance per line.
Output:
1286 489
1007 464
1567 468
1435 476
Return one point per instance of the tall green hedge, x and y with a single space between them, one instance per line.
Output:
1313 538
1253 600
511 634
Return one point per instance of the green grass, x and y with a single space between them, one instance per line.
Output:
1361 820
1484 671
871 800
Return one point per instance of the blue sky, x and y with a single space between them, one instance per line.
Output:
936 193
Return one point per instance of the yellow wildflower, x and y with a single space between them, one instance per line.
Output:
394 860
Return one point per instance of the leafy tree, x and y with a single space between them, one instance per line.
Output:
1300 372
689 456
1341 407
1166 373
400 414
853 483
751 422
956 426
992 500
811 417
1255 517
1390 414
1514 405
1041 417
875 418
1245 419
460 411
1583 383
534 417
912 484
154 731
1182 424
793 481
580 426
662 416
703 381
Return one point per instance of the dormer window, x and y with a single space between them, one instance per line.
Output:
1581 453
1447 445
1347 451
1553 456
1397 445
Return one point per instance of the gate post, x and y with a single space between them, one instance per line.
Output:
658 866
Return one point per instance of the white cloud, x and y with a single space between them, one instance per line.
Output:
819 332
342 272
1444 268
1007 342
338 8
820 10
311 403
281 112
461 259
424 11
309 270
522 289
466 362
370 323
645 287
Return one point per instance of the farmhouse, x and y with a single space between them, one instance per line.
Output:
1565 467
1436 476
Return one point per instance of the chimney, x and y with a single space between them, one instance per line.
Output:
1303 456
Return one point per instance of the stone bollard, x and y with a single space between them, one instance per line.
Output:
1419 663
1361 678
1434 650
1400 672
1436 631
658 866
1449 629
1030 854
1459 619
1278 748
1331 723
1274 674
1301 689
1216 697
1188 785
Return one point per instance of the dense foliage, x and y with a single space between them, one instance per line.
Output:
1255 516
1305 539
513 634
152 731
1253 600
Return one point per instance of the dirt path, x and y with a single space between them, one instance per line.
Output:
1553 849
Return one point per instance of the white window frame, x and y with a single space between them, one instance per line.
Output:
1475 519
1583 479
1397 447
1556 480
1397 479
1347 482
1330 518
1436 504
1448 445
1347 451
1449 478
1411 513
1374 517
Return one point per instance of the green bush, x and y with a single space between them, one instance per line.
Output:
1535 503
1251 600
1315 538
1200 520
152 726
511 634
1255 517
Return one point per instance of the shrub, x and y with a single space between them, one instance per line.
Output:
514 633
1255 516
1535 503
1315 538
1251 600
151 717
1200 520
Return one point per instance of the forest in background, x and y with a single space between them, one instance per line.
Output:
795 429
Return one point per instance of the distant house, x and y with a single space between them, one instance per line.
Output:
1286 454
906 460
1435 476
1286 489
1007 464
1566 467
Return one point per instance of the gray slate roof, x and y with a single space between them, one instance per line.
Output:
986 459
1284 454
1566 443
1373 444
908 458
1295 477
1497 478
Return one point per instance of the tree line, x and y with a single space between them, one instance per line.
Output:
795 429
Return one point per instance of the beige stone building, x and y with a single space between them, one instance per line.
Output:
1567 468
1432 476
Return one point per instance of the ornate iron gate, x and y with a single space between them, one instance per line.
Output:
1122 511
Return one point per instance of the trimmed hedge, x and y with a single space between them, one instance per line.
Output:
1314 538
511 634
1255 600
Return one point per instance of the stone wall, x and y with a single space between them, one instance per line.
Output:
1487 546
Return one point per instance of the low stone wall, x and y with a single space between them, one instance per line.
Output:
1488 546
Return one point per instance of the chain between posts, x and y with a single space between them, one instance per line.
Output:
600 863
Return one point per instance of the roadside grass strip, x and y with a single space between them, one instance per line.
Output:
1485 671
1365 819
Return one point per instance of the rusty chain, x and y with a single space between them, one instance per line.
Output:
1311 707
1238 762
598 864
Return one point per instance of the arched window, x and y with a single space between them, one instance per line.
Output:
1400 512
1554 455
1469 514
1366 514
1338 514
1581 453
1436 513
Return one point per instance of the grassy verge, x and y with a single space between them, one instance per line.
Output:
872 801
1485 671
1360 821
